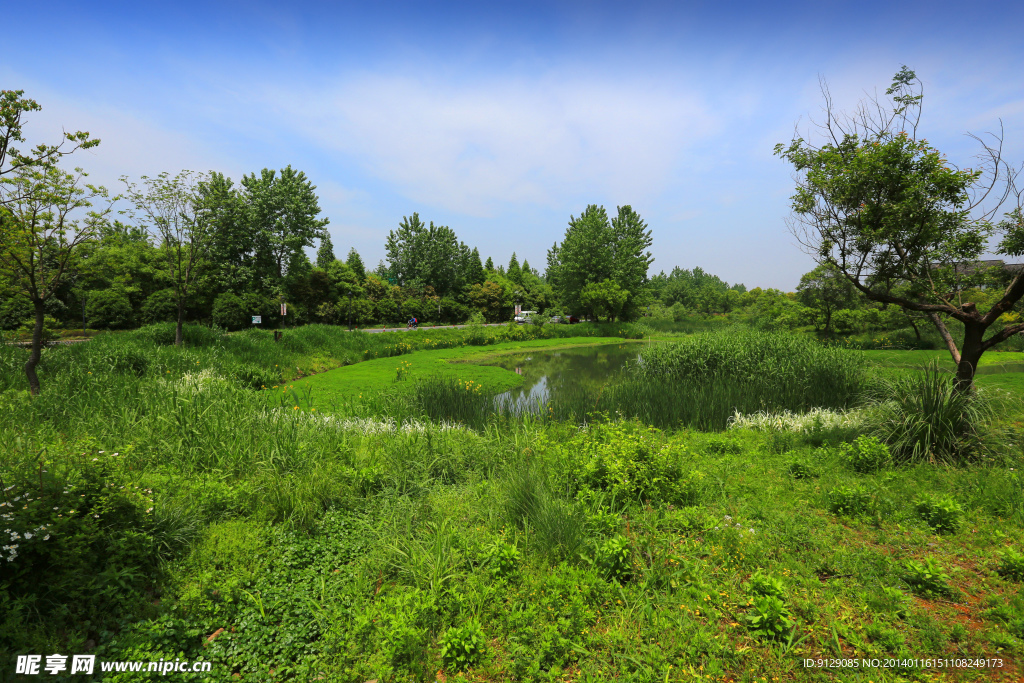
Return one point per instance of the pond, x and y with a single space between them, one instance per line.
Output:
552 375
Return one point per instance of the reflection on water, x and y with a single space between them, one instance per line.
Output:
548 374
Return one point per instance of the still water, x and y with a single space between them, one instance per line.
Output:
549 374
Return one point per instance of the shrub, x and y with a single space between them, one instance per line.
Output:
50 327
501 558
76 548
926 578
109 309
865 455
159 307
463 646
613 558
769 617
850 501
942 513
764 584
630 461
231 312
924 418
800 470
1011 565
253 376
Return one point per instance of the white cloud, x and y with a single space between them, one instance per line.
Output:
473 149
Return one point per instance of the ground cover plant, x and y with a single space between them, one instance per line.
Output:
290 535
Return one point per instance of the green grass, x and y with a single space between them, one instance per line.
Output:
376 543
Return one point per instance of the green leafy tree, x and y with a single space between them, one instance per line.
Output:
514 273
171 209
475 274
604 298
489 266
595 249
355 262
325 254
887 210
42 227
283 212
41 214
825 291
232 245
421 255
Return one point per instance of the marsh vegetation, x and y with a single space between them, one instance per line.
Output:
730 504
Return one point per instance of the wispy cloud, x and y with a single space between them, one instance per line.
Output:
474 148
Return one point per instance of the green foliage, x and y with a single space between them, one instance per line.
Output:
78 547
865 455
1011 565
614 558
49 333
629 461
801 470
231 312
109 309
942 513
922 417
463 647
926 578
849 500
769 618
767 585
159 307
502 558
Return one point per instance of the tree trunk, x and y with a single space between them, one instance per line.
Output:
970 354
181 319
37 346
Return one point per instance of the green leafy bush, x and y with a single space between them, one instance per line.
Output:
926 578
614 558
924 418
77 549
800 470
109 309
865 455
629 461
1011 565
463 647
942 513
231 312
767 585
253 376
501 558
769 617
849 500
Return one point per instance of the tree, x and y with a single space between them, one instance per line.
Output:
630 239
355 262
232 244
905 226
604 298
40 231
514 272
595 249
475 274
172 210
282 212
420 256
825 291
41 206
325 254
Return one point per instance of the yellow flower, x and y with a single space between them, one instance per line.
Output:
295 408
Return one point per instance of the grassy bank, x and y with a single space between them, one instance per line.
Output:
176 512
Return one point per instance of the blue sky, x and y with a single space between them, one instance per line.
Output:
503 119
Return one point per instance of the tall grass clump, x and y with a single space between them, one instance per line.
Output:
705 379
924 418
